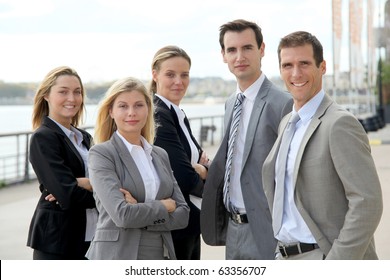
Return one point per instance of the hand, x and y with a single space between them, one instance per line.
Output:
169 204
128 197
204 159
84 183
201 170
50 198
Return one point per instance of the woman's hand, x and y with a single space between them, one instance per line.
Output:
128 197
204 159
50 198
201 170
169 204
84 183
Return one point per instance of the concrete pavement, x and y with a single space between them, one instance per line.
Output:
17 204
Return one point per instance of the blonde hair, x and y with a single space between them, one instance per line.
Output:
41 107
105 125
163 54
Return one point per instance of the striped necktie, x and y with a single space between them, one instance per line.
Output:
232 139
277 212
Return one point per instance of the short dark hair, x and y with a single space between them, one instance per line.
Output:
301 38
240 25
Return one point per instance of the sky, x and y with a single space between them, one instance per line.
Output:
106 40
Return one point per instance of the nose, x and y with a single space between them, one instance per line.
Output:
240 55
296 71
178 80
71 97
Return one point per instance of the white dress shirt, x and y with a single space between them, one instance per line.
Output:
294 228
236 169
142 157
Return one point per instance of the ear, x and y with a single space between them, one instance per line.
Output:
262 49
154 75
223 55
323 67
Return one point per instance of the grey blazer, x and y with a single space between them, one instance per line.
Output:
337 189
271 104
120 224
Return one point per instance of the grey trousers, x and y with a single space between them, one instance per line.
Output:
240 244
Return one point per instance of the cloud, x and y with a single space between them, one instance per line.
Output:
25 8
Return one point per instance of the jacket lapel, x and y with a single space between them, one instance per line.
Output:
314 123
138 185
255 119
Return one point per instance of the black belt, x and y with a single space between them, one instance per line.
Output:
239 218
295 249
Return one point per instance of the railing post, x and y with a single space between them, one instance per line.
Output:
26 162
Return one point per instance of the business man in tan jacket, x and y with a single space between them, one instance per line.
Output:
332 200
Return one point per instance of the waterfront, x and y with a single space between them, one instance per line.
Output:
15 130
17 204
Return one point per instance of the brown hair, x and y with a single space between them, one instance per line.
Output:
240 25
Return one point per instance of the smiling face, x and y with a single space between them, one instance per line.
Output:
173 78
302 77
130 112
243 56
64 99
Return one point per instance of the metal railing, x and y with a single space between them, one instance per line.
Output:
15 167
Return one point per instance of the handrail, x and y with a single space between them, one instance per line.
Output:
15 167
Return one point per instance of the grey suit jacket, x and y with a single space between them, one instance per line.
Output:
337 189
120 224
271 104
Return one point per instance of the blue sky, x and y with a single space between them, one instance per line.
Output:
108 39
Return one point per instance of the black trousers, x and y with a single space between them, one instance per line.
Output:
40 255
187 247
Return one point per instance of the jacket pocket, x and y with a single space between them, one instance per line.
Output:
106 235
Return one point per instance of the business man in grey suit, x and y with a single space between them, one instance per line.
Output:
234 209
330 201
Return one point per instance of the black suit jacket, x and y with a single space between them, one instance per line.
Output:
171 138
59 227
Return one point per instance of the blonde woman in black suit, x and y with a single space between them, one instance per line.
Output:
65 216
171 77
137 196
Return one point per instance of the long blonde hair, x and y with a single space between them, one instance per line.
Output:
105 125
41 107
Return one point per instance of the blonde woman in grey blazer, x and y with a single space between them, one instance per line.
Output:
137 196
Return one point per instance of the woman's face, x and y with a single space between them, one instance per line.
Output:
130 112
173 78
65 99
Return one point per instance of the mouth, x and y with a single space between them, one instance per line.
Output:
240 66
70 106
299 84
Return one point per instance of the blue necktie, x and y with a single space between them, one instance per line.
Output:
277 212
232 139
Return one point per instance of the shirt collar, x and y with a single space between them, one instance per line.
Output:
145 144
177 109
308 110
253 89
70 132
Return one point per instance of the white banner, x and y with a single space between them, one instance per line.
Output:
355 39
337 38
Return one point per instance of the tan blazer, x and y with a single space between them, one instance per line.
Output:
337 189
120 224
